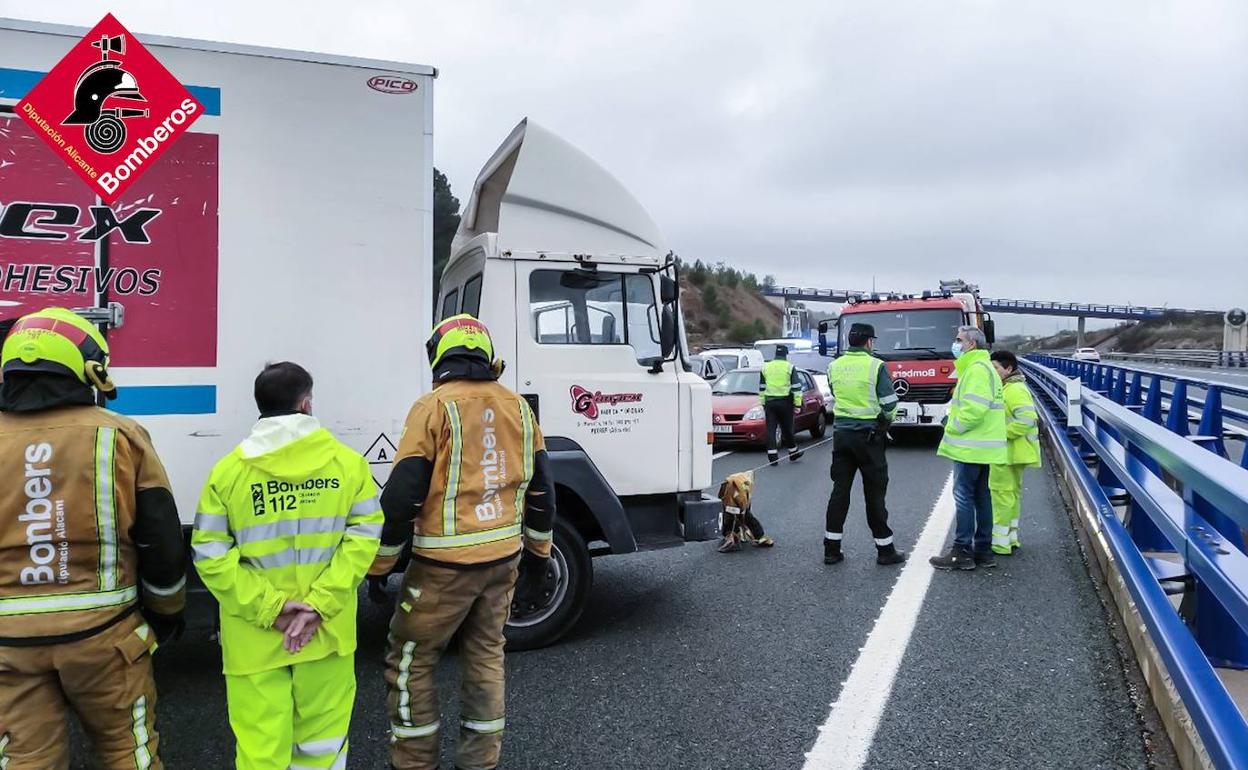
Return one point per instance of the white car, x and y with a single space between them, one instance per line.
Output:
1086 354
707 367
735 358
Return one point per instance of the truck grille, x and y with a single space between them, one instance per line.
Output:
929 394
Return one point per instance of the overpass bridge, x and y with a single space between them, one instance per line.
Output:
999 305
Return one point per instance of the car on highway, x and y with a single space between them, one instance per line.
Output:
1087 354
735 358
737 416
707 367
817 366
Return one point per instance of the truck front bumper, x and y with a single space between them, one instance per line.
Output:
699 515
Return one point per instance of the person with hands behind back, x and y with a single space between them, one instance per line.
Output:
471 489
287 526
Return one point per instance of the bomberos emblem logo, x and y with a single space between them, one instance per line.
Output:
109 109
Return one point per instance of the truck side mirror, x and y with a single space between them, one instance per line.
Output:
667 331
668 290
990 330
823 338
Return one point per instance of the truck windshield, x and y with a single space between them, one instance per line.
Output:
919 333
740 383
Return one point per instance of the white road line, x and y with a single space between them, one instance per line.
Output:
845 739
718 455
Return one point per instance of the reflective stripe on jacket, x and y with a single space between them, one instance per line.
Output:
855 381
1022 427
291 513
480 441
778 380
76 480
975 430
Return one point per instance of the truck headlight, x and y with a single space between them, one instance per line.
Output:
755 413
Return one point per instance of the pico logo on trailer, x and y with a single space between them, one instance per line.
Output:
109 109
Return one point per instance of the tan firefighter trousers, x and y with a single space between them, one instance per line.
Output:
105 679
433 603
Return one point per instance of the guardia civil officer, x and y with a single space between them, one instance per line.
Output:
471 489
863 391
780 390
92 561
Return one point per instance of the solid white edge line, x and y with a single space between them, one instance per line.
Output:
724 453
845 739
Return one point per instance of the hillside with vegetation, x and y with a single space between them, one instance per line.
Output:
722 306
1173 332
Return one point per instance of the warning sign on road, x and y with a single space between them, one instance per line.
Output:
380 455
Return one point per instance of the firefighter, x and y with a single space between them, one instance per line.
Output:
471 489
780 390
92 561
974 439
288 524
864 402
1022 432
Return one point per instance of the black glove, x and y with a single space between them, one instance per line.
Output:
535 585
168 628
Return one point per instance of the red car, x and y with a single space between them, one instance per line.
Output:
737 414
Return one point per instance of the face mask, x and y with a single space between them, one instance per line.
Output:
956 349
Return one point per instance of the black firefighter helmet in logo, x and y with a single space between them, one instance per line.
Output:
99 82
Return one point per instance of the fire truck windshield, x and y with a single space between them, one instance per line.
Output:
918 333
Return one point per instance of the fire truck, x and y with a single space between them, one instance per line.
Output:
914 333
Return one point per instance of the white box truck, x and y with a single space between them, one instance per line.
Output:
293 222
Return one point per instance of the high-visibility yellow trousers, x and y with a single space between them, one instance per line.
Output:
293 717
1006 484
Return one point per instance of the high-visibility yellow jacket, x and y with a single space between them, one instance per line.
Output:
291 513
1022 428
779 380
975 430
862 389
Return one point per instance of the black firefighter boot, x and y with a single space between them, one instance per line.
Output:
888 554
832 551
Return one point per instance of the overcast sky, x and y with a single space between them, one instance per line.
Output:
1057 149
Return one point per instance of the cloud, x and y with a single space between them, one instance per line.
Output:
1055 149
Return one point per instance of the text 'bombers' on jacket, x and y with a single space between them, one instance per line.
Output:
470 479
290 514
90 525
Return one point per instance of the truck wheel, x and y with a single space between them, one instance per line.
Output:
574 576
821 425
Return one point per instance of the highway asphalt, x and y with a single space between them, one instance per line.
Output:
687 658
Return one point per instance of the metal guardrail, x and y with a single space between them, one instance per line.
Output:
1154 490
1209 358
1167 399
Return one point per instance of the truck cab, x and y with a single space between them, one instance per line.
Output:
579 290
913 336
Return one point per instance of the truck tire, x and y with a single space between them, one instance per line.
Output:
574 571
820 427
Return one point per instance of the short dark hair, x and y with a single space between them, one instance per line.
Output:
859 339
1006 359
280 387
